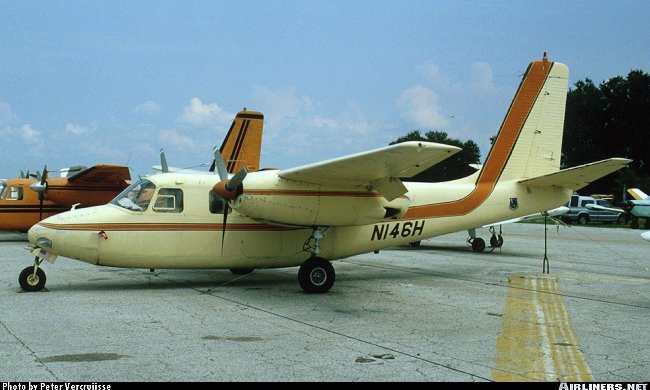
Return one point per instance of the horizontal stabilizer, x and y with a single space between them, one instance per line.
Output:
577 177
592 206
550 213
378 169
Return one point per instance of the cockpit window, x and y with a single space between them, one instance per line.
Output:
137 196
2 187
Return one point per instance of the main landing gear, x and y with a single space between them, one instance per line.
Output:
478 244
316 275
32 278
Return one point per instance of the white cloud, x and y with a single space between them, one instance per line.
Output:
282 105
199 114
172 137
148 107
483 77
6 116
29 134
78 129
420 105
431 73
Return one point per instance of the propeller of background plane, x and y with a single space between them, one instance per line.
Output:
41 188
227 189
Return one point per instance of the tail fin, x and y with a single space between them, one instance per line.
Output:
243 143
637 193
529 142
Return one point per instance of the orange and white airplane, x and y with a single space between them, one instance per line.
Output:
26 200
311 215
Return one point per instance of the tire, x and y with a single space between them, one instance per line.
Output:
478 244
647 223
634 224
30 282
316 275
621 219
583 219
415 244
241 271
496 241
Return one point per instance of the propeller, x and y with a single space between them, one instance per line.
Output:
163 161
228 189
41 188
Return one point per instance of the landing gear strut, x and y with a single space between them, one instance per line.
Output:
478 244
316 275
32 278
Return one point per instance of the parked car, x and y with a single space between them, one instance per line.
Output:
582 215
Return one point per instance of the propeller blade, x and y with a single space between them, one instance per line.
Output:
237 179
223 227
219 164
163 161
40 206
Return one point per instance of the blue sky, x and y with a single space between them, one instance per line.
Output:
112 82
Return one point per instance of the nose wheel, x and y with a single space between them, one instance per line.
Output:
32 278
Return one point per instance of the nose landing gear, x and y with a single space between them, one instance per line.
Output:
32 278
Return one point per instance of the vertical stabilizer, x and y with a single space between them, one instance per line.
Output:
529 142
243 143
637 194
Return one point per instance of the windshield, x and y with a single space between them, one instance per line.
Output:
2 187
136 197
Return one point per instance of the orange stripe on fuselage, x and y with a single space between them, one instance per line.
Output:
498 157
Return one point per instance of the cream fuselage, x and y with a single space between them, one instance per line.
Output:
111 235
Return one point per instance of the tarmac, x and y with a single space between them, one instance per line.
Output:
436 313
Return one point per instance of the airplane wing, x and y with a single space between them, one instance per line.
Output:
637 193
379 169
578 177
101 174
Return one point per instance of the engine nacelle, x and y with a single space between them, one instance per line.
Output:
303 204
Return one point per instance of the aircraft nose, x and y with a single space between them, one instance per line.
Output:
41 236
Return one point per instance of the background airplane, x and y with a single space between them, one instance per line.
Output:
26 200
637 208
310 215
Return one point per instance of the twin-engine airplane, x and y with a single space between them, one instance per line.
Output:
311 215
26 200
639 207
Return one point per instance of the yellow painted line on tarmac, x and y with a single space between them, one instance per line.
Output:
537 341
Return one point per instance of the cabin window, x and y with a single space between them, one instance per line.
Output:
14 193
169 200
137 196
217 204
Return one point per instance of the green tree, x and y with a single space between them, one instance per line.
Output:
610 120
454 167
